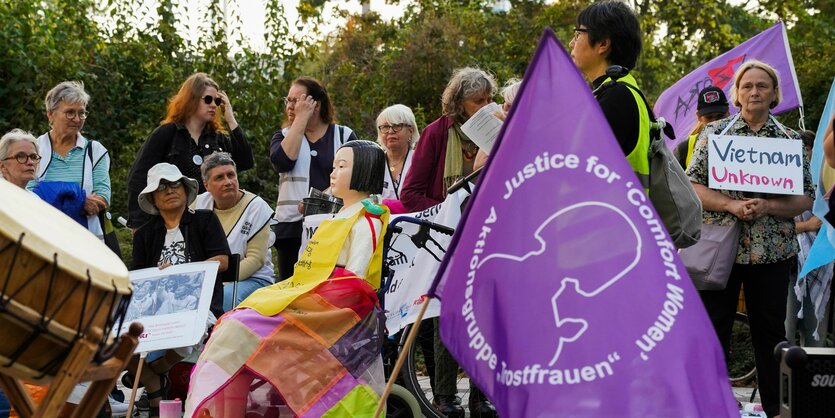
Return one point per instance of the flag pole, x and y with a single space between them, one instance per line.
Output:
410 339
135 387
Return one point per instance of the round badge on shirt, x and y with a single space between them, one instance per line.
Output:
314 153
197 160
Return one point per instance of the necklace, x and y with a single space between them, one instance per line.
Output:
393 166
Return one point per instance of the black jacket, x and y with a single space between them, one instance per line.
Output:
618 105
171 143
204 239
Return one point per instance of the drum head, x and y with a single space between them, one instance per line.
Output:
49 233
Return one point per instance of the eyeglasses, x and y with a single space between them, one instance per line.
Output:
396 128
288 101
164 185
22 157
208 99
72 114
577 32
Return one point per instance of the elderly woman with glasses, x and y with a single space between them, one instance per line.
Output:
70 157
397 133
174 235
444 154
302 152
191 131
18 157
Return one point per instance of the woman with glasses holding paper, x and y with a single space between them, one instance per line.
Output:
445 154
67 156
397 133
766 248
192 129
302 152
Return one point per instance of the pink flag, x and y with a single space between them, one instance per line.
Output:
677 104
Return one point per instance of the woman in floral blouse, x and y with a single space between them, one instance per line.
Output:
767 253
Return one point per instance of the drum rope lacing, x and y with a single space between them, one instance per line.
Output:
42 326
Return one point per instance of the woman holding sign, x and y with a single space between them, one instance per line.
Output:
766 255
174 235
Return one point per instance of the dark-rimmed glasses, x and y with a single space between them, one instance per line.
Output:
164 185
23 157
577 32
396 128
208 99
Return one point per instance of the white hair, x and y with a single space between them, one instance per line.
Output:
398 114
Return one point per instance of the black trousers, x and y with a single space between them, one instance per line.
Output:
288 255
766 290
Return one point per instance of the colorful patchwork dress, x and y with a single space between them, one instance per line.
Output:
311 342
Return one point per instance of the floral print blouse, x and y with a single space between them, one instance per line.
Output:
765 240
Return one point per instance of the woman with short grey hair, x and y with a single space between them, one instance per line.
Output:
397 133
18 157
70 157
444 153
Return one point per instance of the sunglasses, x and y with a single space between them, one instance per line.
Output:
164 185
22 157
208 99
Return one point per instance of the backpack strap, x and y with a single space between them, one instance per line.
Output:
656 126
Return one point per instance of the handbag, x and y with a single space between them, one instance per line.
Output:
710 260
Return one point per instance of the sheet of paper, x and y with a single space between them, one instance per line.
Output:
483 127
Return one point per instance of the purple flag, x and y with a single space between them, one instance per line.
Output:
562 294
677 104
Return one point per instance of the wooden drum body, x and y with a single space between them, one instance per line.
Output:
58 283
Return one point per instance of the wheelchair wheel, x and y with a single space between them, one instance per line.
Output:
417 381
741 364
402 404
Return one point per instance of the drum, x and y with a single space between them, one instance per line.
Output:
58 283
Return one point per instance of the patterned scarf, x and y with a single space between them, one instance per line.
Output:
454 161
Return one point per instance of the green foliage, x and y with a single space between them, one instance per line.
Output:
132 58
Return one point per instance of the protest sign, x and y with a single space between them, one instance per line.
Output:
172 304
754 164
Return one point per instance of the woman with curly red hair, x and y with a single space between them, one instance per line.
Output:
192 129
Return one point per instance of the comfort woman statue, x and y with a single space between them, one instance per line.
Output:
313 341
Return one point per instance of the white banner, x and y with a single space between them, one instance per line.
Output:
755 164
414 269
172 304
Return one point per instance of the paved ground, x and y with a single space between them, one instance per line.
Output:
743 395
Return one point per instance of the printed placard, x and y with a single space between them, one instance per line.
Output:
172 304
755 164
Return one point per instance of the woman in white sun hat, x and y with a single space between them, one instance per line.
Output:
175 234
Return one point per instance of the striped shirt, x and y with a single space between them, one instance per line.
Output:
70 168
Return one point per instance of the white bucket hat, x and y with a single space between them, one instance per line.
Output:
170 173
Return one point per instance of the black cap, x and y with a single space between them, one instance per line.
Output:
712 100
